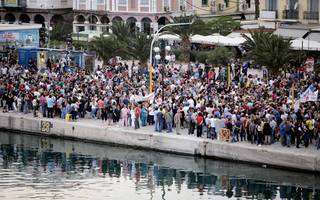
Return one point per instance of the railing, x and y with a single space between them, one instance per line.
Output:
290 14
310 15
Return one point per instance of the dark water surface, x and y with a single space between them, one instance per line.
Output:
33 167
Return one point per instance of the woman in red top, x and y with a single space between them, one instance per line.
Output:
199 124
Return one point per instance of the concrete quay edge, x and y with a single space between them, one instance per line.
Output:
177 144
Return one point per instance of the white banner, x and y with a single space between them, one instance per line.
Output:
145 98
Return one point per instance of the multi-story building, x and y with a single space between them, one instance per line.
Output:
238 9
36 11
147 15
279 13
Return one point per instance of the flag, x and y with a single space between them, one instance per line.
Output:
308 91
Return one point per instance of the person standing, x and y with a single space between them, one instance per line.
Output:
282 128
177 122
74 111
298 133
144 115
160 119
137 113
199 121
50 103
43 102
168 119
259 130
104 114
267 131
124 114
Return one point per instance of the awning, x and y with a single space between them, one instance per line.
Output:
291 33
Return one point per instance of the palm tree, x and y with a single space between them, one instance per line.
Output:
123 32
186 31
269 50
60 32
256 38
106 48
141 48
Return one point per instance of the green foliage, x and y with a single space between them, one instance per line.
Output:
106 48
141 48
267 49
123 32
181 58
186 31
220 55
200 56
176 52
223 25
55 44
78 44
60 32
316 67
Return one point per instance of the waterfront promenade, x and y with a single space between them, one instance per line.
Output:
303 159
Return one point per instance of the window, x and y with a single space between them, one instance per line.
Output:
82 1
226 2
64 2
100 1
248 3
313 10
166 2
144 2
181 2
122 1
272 5
204 2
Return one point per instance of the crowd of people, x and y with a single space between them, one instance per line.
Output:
195 97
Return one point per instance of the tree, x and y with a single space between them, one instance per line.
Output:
106 48
267 49
141 48
220 55
186 31
223 25
123 32
60 32
257 37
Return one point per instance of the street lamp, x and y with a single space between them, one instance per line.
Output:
155 36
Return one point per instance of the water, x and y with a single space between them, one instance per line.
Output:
33 167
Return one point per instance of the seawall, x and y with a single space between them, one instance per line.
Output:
92 130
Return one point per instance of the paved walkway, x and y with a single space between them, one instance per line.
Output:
311 150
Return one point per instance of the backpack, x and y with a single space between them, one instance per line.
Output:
73 108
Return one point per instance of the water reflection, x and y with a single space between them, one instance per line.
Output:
54 174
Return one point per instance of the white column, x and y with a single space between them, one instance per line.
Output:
138 24
110 24
74 27
98 25
86 25
155 27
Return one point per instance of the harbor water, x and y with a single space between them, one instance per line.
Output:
35 167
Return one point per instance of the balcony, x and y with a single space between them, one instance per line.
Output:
290 14
14 3
310 15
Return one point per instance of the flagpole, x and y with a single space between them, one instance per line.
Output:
292 96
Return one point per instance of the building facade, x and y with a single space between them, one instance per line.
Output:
147 15
285 12
36 11
238 9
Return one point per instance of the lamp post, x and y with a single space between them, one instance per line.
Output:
167 58
155 36
50 28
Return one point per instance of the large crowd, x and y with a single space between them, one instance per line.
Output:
195 97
